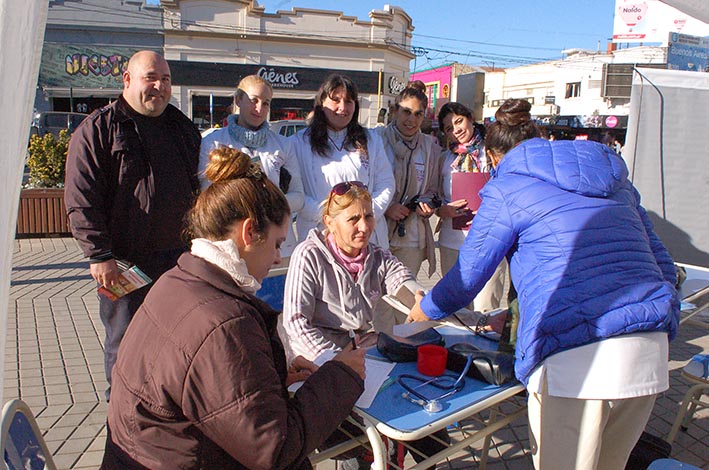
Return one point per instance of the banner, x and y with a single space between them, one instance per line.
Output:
651 21
21 31
689 53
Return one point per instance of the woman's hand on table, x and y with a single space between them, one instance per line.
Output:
299 370
354 359
416 314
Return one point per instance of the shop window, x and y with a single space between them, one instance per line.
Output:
204 116
573 90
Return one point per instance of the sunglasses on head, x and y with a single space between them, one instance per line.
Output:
341 188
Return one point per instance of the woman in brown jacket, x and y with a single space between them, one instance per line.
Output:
201 376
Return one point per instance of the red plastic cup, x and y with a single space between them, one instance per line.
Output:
432 360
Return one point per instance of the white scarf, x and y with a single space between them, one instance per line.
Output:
225 255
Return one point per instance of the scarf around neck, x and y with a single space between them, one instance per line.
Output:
250 139
352 264
471 155
225 255
403 147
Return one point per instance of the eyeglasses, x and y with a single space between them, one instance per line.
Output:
340 189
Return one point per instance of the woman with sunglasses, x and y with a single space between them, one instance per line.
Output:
415 158
336 148
465 153
249 132
201 376
337 278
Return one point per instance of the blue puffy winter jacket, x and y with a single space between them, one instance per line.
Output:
584 258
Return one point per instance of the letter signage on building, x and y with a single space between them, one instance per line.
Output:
83 66
212 74
395 85
689 53
278 78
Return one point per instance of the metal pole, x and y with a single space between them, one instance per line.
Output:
211 110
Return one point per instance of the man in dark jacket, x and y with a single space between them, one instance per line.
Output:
130 178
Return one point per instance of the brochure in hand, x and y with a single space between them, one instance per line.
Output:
467 186
129 279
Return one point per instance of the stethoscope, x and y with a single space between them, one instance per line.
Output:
449 383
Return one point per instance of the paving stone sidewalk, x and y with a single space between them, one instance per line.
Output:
54 362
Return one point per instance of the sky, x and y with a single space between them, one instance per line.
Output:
499 33
493 33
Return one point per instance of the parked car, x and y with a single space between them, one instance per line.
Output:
54 121
287 127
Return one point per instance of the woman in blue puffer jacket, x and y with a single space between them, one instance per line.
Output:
595 287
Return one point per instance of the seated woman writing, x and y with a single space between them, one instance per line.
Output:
337 277
201 376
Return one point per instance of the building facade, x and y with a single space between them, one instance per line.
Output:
86 49
212 44
453 82
584 94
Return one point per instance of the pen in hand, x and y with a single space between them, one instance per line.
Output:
353 339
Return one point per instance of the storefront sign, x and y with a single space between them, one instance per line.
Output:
611 121
84 67
687 52
651 20
227 75
395 85
277 78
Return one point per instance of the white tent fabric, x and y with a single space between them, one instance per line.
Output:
698 9
21 36
667 147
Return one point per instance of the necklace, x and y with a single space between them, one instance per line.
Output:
338 147
415 142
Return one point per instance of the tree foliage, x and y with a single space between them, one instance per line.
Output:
47 158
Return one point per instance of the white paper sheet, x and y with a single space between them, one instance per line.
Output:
376 374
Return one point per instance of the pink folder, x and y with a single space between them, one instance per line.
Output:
467 186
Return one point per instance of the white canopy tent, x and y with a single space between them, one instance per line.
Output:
666 148
21 36
698 9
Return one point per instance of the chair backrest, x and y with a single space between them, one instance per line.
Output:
22 443
671 464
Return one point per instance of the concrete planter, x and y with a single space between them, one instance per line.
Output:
42 213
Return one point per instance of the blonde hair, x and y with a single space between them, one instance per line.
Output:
239 191
250 80
334 204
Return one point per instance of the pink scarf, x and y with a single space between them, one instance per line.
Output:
353 265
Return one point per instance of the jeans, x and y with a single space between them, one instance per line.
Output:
116 315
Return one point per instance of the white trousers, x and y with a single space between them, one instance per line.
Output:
576 434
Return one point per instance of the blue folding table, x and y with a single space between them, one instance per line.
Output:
395 417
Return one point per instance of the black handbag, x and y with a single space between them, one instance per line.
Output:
493 367
284 178
398 349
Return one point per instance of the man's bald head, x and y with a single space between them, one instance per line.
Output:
147 85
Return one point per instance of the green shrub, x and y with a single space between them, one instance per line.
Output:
47 158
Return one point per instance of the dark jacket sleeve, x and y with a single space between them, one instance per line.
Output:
242 405
86 190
